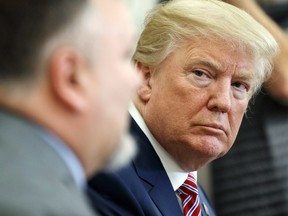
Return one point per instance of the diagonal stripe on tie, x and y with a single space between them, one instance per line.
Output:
188 193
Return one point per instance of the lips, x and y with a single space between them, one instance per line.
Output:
214 126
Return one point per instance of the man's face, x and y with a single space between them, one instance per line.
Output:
198 99
113 79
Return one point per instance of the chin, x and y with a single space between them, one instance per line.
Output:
214 148
122 155
223 153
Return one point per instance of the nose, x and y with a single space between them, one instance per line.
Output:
220 98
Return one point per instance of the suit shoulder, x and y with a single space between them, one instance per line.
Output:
23 198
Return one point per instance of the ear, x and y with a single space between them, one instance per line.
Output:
145 90
66 68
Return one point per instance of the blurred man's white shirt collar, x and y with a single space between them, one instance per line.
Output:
176 174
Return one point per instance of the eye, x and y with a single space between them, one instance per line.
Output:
241 86
200 78
199 73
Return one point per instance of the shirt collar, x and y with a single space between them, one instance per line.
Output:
176 174
67 155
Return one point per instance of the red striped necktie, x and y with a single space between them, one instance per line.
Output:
188 192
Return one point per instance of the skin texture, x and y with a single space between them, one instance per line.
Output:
195 101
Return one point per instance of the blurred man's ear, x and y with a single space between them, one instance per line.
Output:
144 91
66 73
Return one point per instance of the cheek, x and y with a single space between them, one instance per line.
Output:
112 82
118 92
236 120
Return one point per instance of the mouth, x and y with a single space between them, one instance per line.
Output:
214 127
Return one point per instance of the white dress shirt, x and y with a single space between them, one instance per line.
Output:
176 174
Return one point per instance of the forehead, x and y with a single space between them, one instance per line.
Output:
217 54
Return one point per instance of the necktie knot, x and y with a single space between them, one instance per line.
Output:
188 193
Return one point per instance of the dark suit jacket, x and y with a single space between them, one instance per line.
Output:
143 187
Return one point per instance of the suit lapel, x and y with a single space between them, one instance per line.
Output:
155 180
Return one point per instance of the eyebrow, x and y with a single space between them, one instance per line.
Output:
214 64
209 62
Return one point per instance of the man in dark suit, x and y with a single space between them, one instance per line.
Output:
66 82
201 61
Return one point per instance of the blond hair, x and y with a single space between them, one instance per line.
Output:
169 25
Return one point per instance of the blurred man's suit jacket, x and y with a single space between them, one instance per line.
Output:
34 180
143 188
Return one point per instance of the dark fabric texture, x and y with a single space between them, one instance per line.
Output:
143 187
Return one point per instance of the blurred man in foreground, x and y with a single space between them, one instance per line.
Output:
66 81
